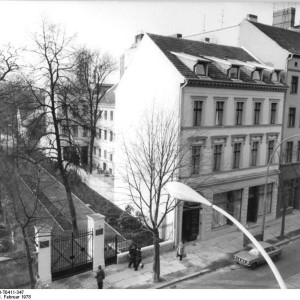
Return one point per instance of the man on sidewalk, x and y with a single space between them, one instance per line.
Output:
100 277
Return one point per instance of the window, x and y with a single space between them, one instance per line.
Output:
289 152
85 132
256 75
275 77
196 159
239 113
236 155
234 72
200 69
111 115
105 115
271 145
217 157
231 202
298 151
254 152
292 117
296 64
65 130
105 134
258 193
219 113
100 152
100 133
105 154
111 136
294 85
290 192
74 130
273 113
257 106
94 150
111 157
197 112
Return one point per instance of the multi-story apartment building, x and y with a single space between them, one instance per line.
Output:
75 137
277 46
104 144
230 116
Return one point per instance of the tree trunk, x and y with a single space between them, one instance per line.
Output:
63 173
92 139
29 258
156 262
69 198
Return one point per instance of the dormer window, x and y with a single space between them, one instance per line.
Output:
200 69
257 74
275 76
233 72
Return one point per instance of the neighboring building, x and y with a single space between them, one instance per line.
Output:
277 46
231 118
104 144
75 138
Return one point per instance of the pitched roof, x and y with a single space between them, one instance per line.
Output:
196 48
287 39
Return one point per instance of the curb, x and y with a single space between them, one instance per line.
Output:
205 271
195 274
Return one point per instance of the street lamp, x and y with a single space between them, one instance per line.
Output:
183 192
266 183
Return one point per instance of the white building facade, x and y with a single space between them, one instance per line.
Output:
229 117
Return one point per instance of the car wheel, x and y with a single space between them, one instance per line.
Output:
253 266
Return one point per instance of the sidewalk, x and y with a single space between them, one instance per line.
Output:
202 257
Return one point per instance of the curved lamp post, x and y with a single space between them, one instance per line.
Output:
183 192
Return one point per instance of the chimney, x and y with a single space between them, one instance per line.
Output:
176 35
252 18
284 18
207 40
138 38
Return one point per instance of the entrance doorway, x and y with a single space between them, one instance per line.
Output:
252 204
190 221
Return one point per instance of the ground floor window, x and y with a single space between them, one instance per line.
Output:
231 202
256 201
290 192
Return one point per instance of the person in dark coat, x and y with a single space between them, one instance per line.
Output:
138 259
100 277
132 254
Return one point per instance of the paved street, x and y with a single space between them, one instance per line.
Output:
239 277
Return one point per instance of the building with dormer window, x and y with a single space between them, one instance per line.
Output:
231 118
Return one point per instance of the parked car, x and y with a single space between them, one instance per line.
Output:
251 257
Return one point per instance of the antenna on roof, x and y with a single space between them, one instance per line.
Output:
204 22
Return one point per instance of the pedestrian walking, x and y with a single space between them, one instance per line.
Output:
100 277
180 250
132 254
138 259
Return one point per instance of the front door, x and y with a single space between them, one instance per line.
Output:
252 205
190 221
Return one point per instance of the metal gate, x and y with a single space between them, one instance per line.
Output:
71 254
111 250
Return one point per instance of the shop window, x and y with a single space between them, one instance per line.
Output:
231 202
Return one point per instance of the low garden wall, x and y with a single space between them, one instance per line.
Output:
147 251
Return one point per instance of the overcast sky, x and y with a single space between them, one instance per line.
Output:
112 25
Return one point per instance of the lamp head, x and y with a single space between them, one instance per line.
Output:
183 192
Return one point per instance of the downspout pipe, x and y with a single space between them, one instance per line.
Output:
291 55
178 217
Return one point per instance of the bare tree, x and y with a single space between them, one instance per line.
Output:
53 51
91 71
152 158
8 61
22 210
